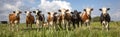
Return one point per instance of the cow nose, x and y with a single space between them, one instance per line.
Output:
35 15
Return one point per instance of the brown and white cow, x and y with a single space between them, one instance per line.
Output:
50 19
14 19
86 16
39 18
29 19
105 18
62 16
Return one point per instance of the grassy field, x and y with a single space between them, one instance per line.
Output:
95 31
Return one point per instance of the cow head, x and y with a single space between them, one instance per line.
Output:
17 13
50 14
28 13
88 10
75 14
63 11
55 14
104 10
37 12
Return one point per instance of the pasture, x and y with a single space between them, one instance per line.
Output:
95 31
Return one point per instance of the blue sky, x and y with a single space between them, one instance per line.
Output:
7 6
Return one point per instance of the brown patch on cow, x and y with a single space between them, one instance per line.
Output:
85 16
13 18
29 20
50 18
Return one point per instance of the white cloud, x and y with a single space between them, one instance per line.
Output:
13 7
53 5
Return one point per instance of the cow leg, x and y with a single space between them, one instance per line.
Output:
103 27
12 26
77 23
60 25
69 25
107 26
63 24
73 24
31 25
27 25
81 24
88 25
37 25
66 23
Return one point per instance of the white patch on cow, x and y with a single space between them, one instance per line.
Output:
63 11
15 21
51 14
104 10
51 23
36 11
87 20
27 13
88 10
16 13
103 22
106 24
37 21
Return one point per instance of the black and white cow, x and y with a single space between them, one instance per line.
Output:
39 18
105 17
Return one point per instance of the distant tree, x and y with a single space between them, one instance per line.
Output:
96 19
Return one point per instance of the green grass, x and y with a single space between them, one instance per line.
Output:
95 31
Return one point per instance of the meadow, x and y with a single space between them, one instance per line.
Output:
94 31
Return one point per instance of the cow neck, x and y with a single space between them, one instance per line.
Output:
29 16
105 14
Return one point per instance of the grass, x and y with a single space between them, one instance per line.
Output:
95 31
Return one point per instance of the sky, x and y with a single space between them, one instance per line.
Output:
7 6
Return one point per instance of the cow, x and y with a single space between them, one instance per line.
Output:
39 18
62 17
67 18
50 19
75 18
29 19
86 16
14 19
105 18
55 19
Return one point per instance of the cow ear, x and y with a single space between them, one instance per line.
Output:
25 11
55 13
13 11
59 10
39 11
79 12
30 12
48 12
33 11
67 10
100 9
84 9
92 9
71 12
108 8
20 12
